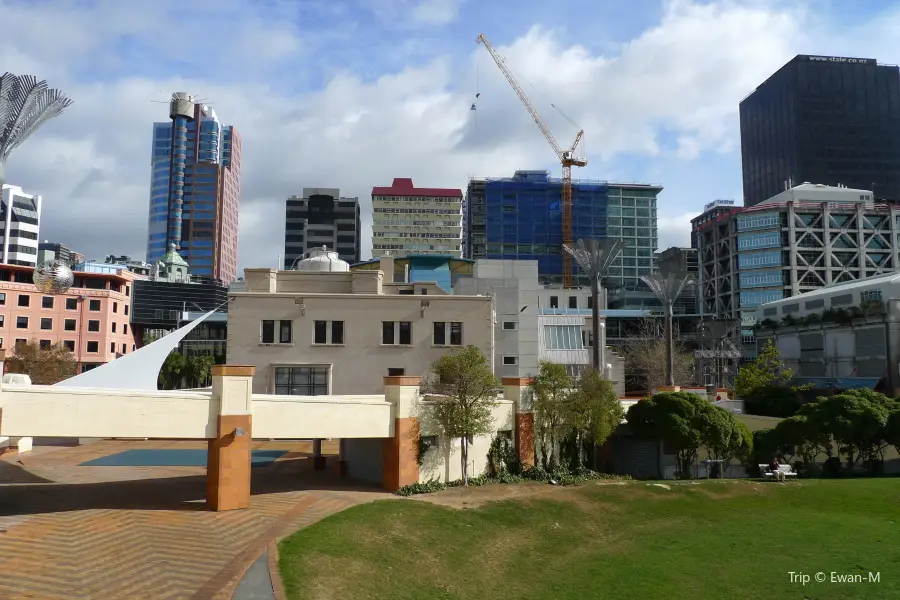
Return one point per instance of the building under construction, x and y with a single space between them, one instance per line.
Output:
520 217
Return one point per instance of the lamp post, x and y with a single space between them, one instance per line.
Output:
25 105
594 258
667 288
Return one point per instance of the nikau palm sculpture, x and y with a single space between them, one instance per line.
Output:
25 105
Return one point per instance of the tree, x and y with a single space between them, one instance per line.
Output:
465 391
765 385
892 429
675 418
592 411
172 372
45 366
802 434
196 370
550 390
647 357
857 421
724 437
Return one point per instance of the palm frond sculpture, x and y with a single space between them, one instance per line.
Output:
25 105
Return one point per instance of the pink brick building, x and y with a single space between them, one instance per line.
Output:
92 319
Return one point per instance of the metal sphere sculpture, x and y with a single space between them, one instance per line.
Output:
25 105
53 277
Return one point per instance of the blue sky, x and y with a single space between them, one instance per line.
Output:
353 93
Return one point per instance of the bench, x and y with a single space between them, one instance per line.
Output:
786 469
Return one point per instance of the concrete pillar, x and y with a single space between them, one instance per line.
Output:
318 457
399 466
516 390
228 458
341 465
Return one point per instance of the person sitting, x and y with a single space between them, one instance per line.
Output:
774 469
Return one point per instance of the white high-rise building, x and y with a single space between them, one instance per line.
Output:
409 220
21 216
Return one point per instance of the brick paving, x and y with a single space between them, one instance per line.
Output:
121 533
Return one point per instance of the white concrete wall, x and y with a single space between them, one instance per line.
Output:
358 365
444 462
306 417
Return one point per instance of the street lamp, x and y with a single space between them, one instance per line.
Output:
25 105
594 258
667 288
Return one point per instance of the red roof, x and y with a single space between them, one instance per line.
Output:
403 186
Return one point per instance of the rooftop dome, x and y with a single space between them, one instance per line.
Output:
323 259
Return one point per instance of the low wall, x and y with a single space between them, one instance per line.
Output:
304 417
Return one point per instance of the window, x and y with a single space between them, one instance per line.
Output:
47 302
2 298
113 327
456 334
21 343
126 310
563 337
2 320
405 333
46 323
69 325
510 360
70 345
554 301
44 344
71 303
301 381
93 325
115 307
573 301
24 300
440 333
337 332
509 325
320 332
874 295
21 322
124 329
387 333
396 371
94 306
285 331
124 349
267 332
590 302
112 347
93 347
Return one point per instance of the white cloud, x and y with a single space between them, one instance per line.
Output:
670 93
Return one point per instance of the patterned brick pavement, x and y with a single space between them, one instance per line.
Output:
122 533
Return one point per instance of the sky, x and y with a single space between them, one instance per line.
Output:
352 93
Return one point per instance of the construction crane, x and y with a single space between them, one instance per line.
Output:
566 157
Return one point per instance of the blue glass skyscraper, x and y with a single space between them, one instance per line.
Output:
195 189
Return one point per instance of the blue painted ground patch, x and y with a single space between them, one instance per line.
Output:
173 458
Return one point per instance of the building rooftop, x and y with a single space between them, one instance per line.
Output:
403 186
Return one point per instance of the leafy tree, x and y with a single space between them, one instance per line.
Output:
550 391
857 421
172 372
724 437
892 429
196 370
592 411
465 391
676 418
646 360
802 434
765 385
45 366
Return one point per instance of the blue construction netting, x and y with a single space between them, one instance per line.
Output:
431 268
523 218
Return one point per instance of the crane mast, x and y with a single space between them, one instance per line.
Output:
566 156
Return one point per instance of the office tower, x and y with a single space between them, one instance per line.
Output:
409 220
48 251
195 189
20 214
520 217
321 217
823 119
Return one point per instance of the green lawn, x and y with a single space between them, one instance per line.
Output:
717 540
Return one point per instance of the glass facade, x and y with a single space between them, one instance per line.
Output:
824 120
756 260
757 297
751 241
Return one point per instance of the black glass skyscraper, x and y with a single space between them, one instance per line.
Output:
823 119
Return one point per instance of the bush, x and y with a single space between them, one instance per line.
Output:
560 476
832 467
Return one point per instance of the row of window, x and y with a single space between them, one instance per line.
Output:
393 333
48 302
90 347
68 325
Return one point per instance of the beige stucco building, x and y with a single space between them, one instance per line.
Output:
322 332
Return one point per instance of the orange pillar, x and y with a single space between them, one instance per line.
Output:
399 453
516 390
229 453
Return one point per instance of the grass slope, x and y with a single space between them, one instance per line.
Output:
718 539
